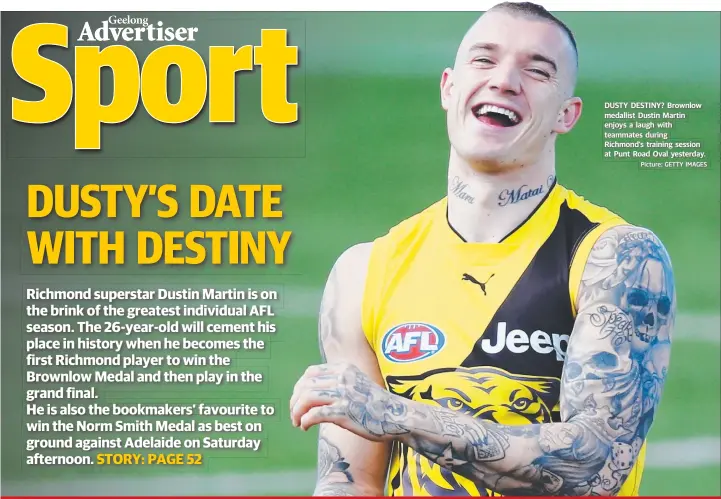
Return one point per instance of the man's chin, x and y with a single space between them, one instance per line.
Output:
492 160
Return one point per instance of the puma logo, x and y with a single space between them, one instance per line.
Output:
469 277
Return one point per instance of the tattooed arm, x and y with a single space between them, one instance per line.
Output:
348 465
613 378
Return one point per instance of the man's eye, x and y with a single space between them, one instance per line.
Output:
540 72
484 60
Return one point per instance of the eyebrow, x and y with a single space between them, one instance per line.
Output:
547 60
491 47
483 46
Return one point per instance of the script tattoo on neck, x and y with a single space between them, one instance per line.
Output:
458 188
522 193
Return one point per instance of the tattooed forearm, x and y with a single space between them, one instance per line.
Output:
331 461
333 490
334 475
517 460
373 411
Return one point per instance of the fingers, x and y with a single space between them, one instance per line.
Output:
336 414
318 376
323 382
320 369
321 386
330 368
310 399
322 414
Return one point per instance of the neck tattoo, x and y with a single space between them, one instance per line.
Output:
524 192
458 189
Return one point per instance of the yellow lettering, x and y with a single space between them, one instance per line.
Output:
193 84
274 55
195 247
269 201
135 199
168 201
112 202
47 194
106 247
86 195
279 245
216 245
171 247
50 247
196 193
46 247
144 239
227 202
250 191
131 83
249 244
90 113
35 69
224 63
74 202
86 250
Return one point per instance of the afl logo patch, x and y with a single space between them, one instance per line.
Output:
412 341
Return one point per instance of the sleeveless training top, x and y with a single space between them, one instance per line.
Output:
480 328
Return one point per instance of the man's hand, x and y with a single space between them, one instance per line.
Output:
341 394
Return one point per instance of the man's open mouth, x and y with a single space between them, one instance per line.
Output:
496 115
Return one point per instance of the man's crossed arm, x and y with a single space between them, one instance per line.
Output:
613 377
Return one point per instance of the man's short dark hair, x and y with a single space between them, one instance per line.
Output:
537 11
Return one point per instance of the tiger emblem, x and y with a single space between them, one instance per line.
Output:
487 393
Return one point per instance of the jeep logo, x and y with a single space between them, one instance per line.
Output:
518 341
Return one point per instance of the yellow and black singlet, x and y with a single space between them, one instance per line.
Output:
479 328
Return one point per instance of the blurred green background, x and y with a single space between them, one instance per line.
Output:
369 151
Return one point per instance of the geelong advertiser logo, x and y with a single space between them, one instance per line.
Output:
135 29
412 341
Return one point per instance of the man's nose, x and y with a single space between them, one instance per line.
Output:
506 80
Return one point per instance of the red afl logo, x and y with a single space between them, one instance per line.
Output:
412 341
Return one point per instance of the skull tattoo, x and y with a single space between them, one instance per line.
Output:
648 289
648 301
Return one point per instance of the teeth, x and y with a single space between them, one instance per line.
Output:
488 108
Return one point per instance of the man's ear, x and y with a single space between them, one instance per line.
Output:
569 115
446 88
